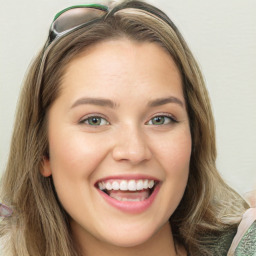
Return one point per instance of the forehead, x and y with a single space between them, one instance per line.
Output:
123 65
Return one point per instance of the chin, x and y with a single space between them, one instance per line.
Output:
131 240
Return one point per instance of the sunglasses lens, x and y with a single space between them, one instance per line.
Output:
5 211
75 17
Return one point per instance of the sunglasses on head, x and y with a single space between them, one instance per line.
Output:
78 16
73 18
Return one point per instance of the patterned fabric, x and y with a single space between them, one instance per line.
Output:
247 245
237 242
220 245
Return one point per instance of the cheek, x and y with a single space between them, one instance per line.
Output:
74 158
175 160
73 154
175 153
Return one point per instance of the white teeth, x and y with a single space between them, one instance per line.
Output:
139 185
123 185
128 199
132 185
145 184
126 185
151 184
132 200
100 186
108 186
115 185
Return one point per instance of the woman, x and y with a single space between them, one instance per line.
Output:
113 150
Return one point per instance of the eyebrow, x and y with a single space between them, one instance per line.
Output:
108 103
95 101
163 101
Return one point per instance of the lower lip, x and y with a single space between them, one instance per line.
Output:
131 206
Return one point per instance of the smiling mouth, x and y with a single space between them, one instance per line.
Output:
128 190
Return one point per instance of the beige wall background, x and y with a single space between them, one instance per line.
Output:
222 36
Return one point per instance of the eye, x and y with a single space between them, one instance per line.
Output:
161 120
94 121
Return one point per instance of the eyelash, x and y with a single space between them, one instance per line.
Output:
170 117
86 119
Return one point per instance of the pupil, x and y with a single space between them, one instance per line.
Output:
158 119
95 120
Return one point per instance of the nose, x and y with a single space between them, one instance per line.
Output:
131 145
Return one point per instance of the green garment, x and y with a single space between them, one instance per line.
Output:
246 247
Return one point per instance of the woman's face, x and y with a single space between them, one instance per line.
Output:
119 127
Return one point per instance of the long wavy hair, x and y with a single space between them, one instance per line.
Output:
39 225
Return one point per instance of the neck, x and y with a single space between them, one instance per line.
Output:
161 243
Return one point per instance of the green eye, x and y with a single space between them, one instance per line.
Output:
161 120
95 121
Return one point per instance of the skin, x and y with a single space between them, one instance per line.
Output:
127 142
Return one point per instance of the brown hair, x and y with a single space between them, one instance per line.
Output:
39 225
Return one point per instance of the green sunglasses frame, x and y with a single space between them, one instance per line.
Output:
55 35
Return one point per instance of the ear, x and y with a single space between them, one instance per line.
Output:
45 168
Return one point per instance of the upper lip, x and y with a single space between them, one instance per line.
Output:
127 177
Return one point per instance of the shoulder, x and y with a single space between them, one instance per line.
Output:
239 241
244 242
